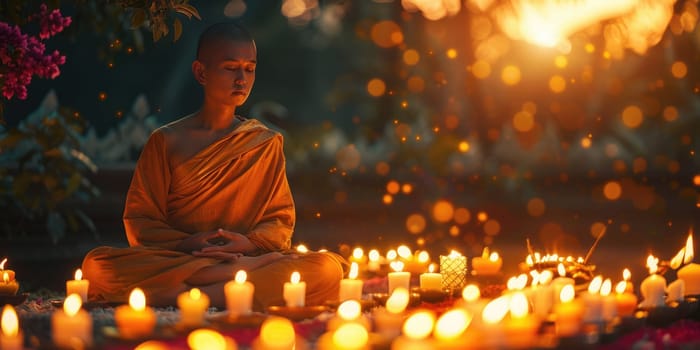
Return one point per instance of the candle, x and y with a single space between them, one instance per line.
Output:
351 288
626 301
208 339
542 295
358 256
193 305
239 295
560 282
374 263
348 336
78 286
135 320
11 337
521 328
653 288
453 268
416 263
450 328
626 276
568 313
8 286
72 326
388 320
398 278
690 273
416 331
348 311
486 264
10 273
593 302
472 302
491 328
609 301
676 291
294 292
277 333
431 280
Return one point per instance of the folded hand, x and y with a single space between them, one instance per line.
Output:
229 242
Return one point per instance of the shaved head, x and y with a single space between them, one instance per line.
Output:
224 31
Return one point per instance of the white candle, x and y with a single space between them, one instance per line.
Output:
487 264
568 313
78 286
294 292
11 337
351 287
193 306
453 268
542 295
676 291
239 295
388 320
72 326
593 302
609 301
653 288
348 336
690 273
431 280
349 311
559 283
398 278
521 328
135 320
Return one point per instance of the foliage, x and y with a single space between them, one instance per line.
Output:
42 172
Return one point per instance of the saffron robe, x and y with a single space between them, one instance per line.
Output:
237 183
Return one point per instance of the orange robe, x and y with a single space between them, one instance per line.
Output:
237 183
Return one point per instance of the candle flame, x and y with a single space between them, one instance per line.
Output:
404 251
2 264
374 255
278 333
454 254
397 266
354 271
452 324
349 310
606 288
358 253
419 325
10 322
535 277
391 255
431 268
397 301
471 293
485 253
350 336
546 277
78 274
208 339
517 283
594 286
652 264
561 270
567 293
302 249
529 260
195 294
137 300
621 287
626 274
496 310
494 256
519 306
423 257
677 260
295 278
5 277
241 276
689 250
72 304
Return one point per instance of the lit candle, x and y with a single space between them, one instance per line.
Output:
348 336
487 264
398 278
418 262
388 320
277 333
294 292
239 295
348 311
690 273
374 263
193 305
491 327
675 291
560 282
542 295
450 328
593 302
472 302
521 328
431 280
416 331
358 256
135 320
8 286
626 301
351 287
453 268
72 326
78 286
10 273
11 337
626 276
609 301
568 313
208 339
653 288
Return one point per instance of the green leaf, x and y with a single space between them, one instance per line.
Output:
73 183
138 18
177 29
187 10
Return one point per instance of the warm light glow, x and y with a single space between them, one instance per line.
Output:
454 254
350 336
510 75
494 257
397 266
10 322
373 255
471 293
423 257
594 286
689 250
278 333
206 339
452 324
152 345
517 283
5 277
567 293
606 287
652 264
2 264
443 211
295 278
677 260
632 116
496 310
519 306
626 274
78 274
398 300
391 255
376 87
561 270
431 268
241 276
612 190
358 253
621 287
349 310
354 270
72 304
545 277
302 249
411 57
404 251
195 294
137 300
464 147
419 325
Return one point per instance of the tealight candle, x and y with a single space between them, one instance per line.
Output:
542 295
416 331
626 276
11 337
348 311
348 336
593 302
491 327
277 333
676 291
626 301
78 286
609 301
398 278
193 306
487 264
521 328
388 320
431 280
351 287
208 339
568 313
8 286
653 288
10 273
358 256
690 273
239 295
72 326
450 328
135 320
453 268
294 292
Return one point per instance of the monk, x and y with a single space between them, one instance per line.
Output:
209 197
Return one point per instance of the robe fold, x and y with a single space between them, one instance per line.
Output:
237 183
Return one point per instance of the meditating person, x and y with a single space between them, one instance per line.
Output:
209 196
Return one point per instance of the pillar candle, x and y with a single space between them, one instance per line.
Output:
626 301
559 283
593 302
568 313
351 287
676 291
193 305
277 333
416 332
8 286
609 301
542 295
690 274
135 320
348 336
486 264
349 311
10 273
78 286
653 288
72 324
491 329
388 320
431 280
521 328
453 268
294 292
398 278
239 295
11 337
